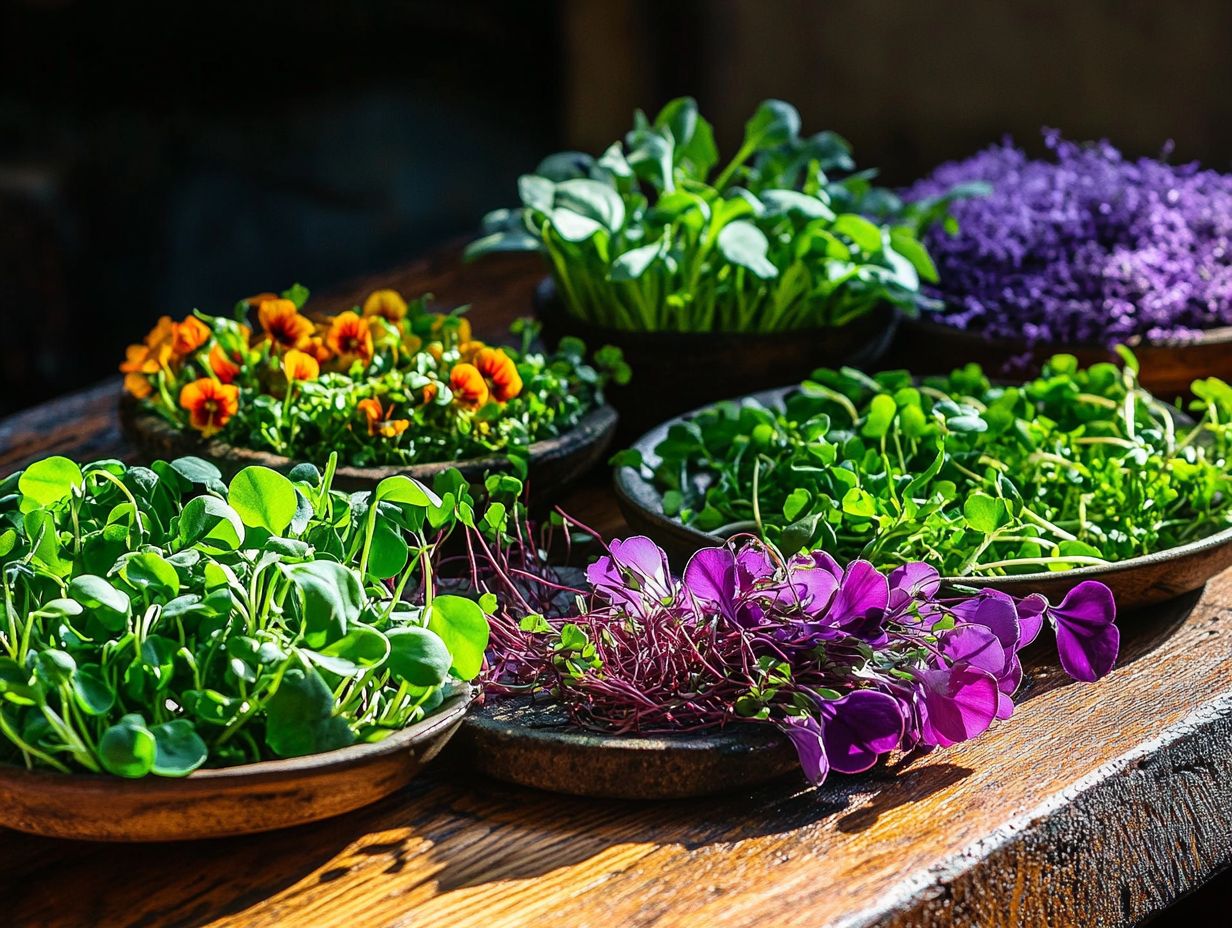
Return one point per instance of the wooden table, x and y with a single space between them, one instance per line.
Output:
1094 805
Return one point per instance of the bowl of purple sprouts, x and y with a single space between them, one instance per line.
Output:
1080 251
846 664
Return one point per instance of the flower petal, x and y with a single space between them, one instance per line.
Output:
961 703
859 728
805 735
710 576
1087 637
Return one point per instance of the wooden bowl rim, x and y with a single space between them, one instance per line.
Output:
597 422
632 489
881 315
1219 335
450 712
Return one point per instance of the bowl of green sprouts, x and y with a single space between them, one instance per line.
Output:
183 658
736 274
1078 474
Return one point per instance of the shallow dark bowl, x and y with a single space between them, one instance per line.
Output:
226 801
1168 366
553 463
677 371
1135 582
530 743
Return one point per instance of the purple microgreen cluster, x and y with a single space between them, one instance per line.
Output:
849 662
1086 246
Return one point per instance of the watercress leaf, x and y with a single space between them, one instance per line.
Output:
109 605
151 574
463 627
405 490
301 717
209 522
594 200
197 471
793 202
263 498
53 667
572 227
178 749
48 482
91 691
745 245
796 503
985 513
536 192
859 503
330 597
8 540
362 646
774 123
861 231
881 412
418 656
128 748
633 263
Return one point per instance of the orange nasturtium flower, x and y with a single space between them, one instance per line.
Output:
283 323
210 404
190 335
469 387
379 421
350 336
500 372
139 362
224 368
300 366
388 304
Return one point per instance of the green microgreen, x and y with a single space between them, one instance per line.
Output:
1077 467
156 620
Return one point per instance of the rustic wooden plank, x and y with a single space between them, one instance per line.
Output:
1094 805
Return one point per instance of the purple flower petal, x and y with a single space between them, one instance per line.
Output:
859 728
1087 637
710 576
975 644
994 610
862 594
960 703
634 574
805 735
1030 618
910 582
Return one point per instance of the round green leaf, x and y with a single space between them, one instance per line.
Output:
418 656
985 513
209 522
109 605
263 498
195 470
463 627
389 552
300 717
127 748
91 692
53 667
403 489
152 573
178 749
331 599
745 245
47 482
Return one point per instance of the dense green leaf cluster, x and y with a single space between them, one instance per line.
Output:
649 237
157 620
1077 467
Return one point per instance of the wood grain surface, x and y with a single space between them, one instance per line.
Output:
1095 805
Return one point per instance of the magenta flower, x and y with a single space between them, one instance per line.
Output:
1087 638
633 574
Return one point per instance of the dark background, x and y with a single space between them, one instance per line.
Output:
157 156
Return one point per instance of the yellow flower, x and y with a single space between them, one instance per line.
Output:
300 366
388 304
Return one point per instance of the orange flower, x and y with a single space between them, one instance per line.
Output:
224 368
469 387
500 372
429 394
388 304
300 366
468 350
138 363
189 335
163 334
316 347
210 404
350 336
379 421
283 323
